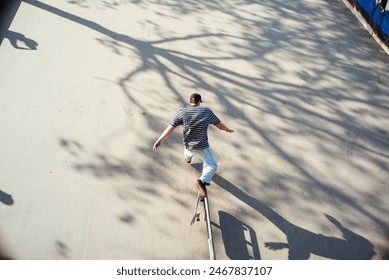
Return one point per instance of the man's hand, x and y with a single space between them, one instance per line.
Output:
164 134
156 145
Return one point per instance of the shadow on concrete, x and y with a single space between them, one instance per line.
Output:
301 242
4 257
62 249
292 103
239 239
6 198
21 42
8 9
191 67
4 254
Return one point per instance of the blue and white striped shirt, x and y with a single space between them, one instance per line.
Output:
195 121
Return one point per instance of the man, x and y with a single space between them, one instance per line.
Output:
195 120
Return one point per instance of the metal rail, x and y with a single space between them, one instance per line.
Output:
196 217
209 230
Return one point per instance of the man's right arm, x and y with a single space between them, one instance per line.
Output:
164 134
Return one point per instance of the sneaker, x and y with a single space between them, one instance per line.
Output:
201 187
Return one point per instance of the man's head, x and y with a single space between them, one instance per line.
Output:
195 98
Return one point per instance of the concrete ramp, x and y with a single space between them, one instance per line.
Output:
86 87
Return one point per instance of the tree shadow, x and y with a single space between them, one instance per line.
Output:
8 10
21 42
62 249
172 64
201 71
4 255
6 198
294 104
301 242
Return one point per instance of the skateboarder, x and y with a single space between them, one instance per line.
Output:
195 120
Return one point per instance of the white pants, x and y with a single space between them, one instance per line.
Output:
209 162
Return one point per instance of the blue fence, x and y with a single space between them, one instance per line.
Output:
376 14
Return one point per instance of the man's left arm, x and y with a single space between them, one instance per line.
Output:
221 126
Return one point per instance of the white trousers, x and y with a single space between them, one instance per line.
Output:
209 162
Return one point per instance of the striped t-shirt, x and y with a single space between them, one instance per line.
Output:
195 121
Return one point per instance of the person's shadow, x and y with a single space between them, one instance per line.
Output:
301 243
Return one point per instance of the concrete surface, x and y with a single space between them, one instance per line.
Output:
87 86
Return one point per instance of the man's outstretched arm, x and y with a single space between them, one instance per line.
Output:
164 134
221 126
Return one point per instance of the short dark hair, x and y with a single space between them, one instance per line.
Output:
195 97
